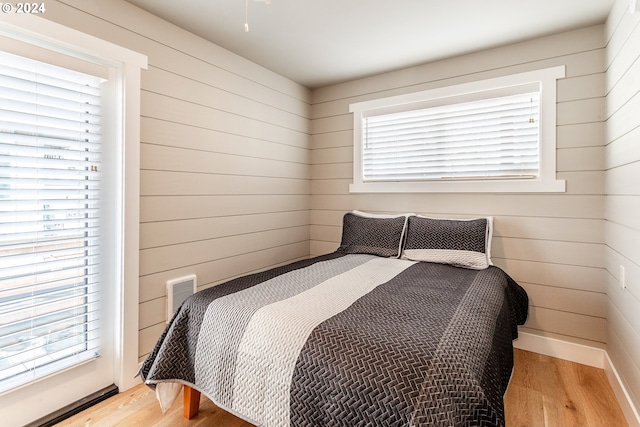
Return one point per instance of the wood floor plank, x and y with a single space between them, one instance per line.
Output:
138 407
555 392
526 407
543 392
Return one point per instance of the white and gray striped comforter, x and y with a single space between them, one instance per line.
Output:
348 340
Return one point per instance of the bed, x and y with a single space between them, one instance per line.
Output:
408 323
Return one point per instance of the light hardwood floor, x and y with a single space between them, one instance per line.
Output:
544 391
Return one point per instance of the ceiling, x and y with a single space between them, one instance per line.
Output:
322 42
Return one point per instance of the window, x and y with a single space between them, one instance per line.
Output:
50 136
48 42
492 135
489 138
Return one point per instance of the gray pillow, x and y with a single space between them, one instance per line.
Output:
464 243
372 234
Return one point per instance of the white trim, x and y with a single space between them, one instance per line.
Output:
498 186
624 399
547 181
40 32
586 355
129 296
578 353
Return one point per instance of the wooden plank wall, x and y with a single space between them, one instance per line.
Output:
622 205
224 156
229 184
551 243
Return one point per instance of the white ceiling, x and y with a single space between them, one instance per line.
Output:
322 42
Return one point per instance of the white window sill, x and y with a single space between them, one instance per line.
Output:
486 186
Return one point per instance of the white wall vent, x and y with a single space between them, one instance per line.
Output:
179 290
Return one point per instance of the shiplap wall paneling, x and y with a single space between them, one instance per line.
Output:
580 51
551 243
224 156
622 165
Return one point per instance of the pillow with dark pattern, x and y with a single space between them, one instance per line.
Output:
460 242
364 233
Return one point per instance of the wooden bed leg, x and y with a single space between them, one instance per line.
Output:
191 402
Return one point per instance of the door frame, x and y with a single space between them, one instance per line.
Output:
23 404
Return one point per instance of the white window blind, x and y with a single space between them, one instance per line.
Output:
50 136
483 139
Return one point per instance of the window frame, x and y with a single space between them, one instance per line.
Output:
125 68
545 182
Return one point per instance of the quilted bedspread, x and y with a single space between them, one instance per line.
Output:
348 340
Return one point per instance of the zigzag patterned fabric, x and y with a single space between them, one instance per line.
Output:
372 235
464 243
349 340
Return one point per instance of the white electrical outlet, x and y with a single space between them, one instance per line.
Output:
622 277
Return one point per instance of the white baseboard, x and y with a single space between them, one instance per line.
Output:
586 355
578 353
629 410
